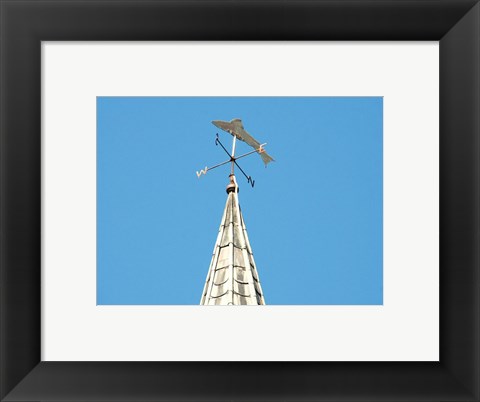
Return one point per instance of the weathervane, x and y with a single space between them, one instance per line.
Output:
235 128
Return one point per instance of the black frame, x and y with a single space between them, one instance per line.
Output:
24 24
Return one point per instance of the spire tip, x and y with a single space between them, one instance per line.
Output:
232 186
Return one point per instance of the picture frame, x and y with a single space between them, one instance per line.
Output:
454 23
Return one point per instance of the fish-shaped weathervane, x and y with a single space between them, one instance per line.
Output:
235 128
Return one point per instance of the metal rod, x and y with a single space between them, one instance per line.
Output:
233 146
241 170
251 152
220 164
232 171
217 141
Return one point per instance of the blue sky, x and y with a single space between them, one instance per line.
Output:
314 217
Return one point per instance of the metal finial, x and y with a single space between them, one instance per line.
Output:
232 186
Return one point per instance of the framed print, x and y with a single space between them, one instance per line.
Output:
45 40
361 179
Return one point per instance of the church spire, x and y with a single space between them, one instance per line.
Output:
232 277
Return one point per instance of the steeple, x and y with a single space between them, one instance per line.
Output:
232 277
